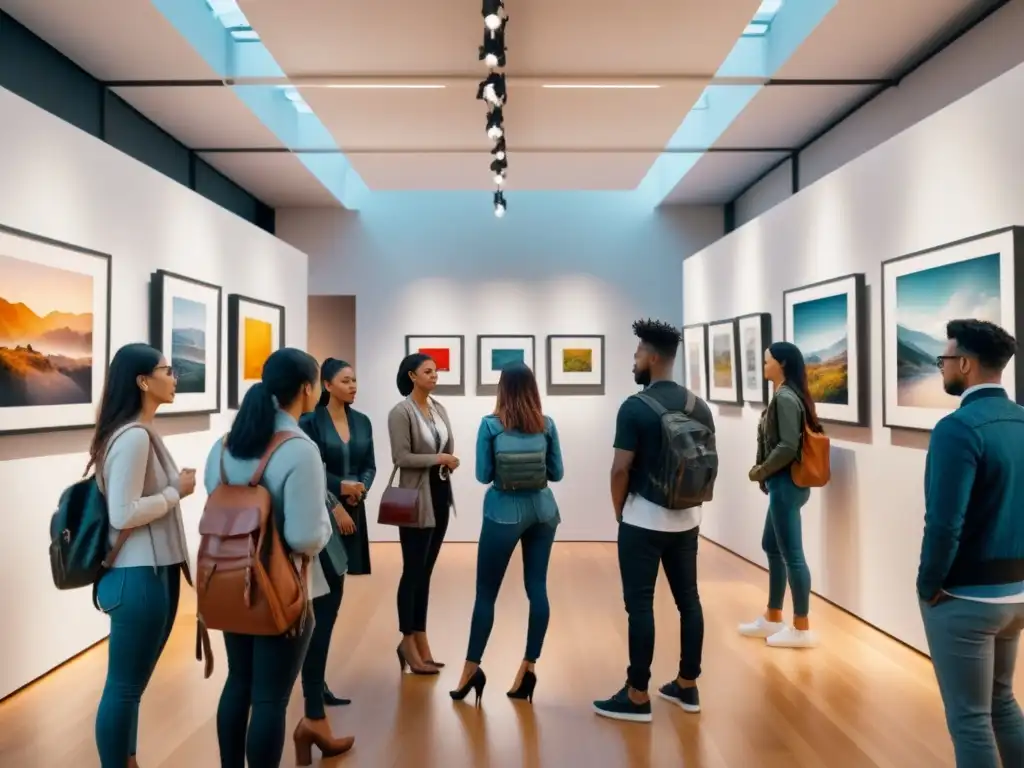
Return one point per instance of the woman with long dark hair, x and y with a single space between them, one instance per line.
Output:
262 669
517 454
345 439
143 488
779 440
422 448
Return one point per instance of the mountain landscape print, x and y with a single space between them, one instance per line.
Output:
925 301
820 330
46 335
188 344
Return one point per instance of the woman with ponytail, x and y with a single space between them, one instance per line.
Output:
345 440
779 440
262 670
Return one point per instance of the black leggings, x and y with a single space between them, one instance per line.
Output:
420 548
314 668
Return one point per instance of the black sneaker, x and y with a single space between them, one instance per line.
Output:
620 707
687 698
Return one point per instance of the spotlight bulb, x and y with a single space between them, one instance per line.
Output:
491 60
499 211
499 179
494 132
500 155
492 21
490 95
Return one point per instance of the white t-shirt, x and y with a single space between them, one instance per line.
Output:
642 513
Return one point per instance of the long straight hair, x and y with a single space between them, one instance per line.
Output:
330 368
791 360
518 405
121 402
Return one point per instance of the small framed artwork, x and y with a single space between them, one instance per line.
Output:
695 359
54 333
575 365
449 353
724 381
493 353
255 332
828 322
755 332
980 278
185 324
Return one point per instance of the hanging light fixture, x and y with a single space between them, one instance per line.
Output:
492 92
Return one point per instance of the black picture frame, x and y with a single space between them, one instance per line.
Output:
734 330
703 391
560 389
157 295
234 309
492 389
1016 391
764 323
97 392
862 375
449 390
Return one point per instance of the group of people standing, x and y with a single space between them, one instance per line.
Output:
972 569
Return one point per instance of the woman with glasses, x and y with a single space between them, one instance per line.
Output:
422 448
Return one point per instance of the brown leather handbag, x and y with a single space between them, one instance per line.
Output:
399 506
246 582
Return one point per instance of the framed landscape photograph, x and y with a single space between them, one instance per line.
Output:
255 332
828 322
695 359
54 333
575 365
185 324
449 353
493 353
724 379
755 335
978 278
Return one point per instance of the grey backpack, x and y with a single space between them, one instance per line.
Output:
689 465
520 461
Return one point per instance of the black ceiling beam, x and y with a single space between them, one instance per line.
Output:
771 82
484 150
927 55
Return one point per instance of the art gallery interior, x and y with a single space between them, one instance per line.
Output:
227 177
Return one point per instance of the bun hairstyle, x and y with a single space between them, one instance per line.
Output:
330 368
285 373
409 365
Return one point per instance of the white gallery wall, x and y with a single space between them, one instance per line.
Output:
441 263
953 175
62 183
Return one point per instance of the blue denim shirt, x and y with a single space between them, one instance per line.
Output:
509 507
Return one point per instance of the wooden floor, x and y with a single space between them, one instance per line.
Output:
860 700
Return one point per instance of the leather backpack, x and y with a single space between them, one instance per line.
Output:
246 583
813 469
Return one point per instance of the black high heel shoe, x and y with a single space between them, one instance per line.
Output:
331 700
403 663
476 682
526 687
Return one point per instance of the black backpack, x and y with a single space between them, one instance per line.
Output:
689 467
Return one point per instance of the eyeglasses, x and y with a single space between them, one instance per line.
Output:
941 359
170 370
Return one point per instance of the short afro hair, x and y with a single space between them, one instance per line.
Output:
660 336
990 344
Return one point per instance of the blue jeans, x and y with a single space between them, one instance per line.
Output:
497 543
783 542
974 650
141 602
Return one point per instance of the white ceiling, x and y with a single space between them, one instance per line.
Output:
434 139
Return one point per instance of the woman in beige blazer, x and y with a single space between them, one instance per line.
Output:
422 447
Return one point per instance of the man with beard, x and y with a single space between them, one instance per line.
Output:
971 576
664 468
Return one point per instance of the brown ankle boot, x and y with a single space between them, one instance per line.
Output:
318 732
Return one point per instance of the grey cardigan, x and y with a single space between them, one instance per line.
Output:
414 456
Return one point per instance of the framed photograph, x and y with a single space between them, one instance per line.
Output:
828 322
724 381
493 353
575 365
185 324
255 332
449 352
979 278
54 333
755 332
695 359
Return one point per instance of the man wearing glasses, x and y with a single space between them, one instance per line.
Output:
971 576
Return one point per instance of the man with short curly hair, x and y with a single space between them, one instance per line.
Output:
664 468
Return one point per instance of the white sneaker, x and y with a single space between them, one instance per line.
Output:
761 628
789 637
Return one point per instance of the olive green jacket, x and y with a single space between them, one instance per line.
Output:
779 434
